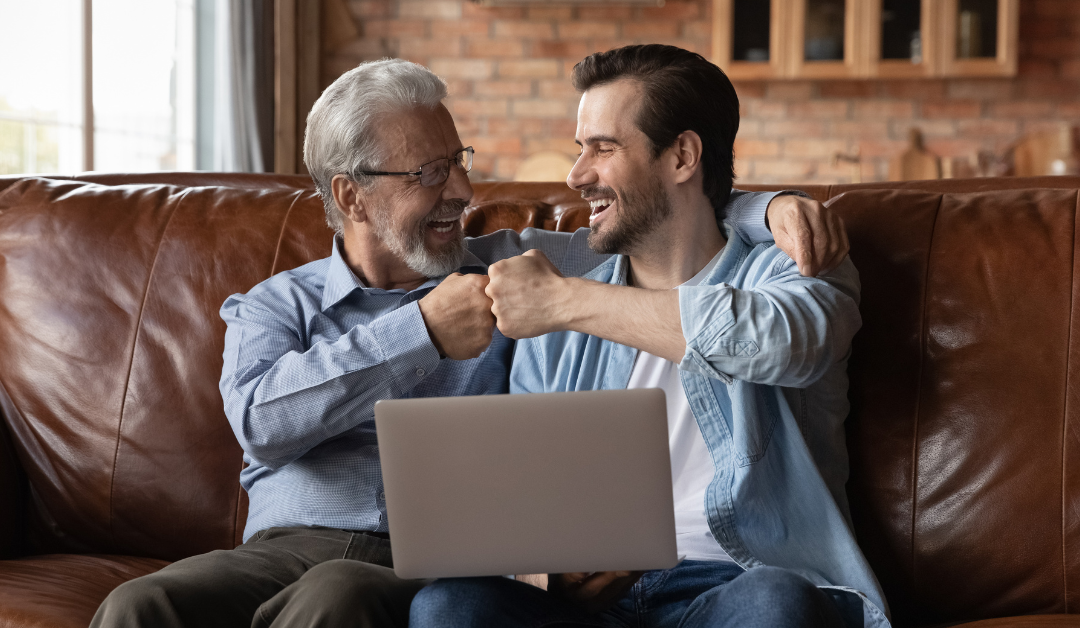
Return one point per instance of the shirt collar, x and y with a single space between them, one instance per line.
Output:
341 281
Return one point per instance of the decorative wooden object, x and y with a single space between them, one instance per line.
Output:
916 163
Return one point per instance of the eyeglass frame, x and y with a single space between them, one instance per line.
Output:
465 165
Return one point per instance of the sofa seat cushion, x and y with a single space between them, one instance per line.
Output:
1026 621
63 590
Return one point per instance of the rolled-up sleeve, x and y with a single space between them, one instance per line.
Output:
787 330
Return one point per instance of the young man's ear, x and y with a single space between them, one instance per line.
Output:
686 153
349 197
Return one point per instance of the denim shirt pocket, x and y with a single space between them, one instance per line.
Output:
750 413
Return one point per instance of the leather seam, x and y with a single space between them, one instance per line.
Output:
1065 415
131 359
281 233
918 398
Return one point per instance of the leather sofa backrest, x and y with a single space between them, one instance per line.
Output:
963 440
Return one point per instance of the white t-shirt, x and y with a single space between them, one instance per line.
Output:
691 465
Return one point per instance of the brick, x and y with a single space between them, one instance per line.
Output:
980 89
881 148
918 89
364 48
1071 69
697 30
673 11
859 130
477 69
558 89
605 13
483 166
436 47
1045 126
952 109
563 145
953 147
541 108
767 109
1069 109
840 172
749 89
565 127
877 109
820 109
472 9
497 145
458 88
430 9
756 148
478 107
491 48
393 28
987 127
587 30
524 30
814 148
650 30
1033 68
847 89
550 13
789 90
369 8
1062 89
533 68
467 28
503 88
790 128
1022 109
522 127
744 171
929 128
506 167
783 171
575 50
1056 8
1055 48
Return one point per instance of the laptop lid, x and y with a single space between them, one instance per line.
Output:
529 483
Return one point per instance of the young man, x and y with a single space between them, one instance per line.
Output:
752 356
397 310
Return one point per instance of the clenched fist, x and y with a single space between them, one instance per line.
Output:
458 316
528 295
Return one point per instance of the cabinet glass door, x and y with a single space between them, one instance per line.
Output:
826 40
900 38
980 37
748 40
976 29
750 37
823 30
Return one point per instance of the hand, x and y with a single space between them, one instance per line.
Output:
593 592
810 233
527 294
458 316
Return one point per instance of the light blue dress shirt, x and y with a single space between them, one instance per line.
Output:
765 372
309 351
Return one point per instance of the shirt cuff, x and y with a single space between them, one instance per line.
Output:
404 339
747 214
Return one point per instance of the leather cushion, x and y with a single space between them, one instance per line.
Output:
63 591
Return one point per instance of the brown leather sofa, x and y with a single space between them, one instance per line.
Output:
116 458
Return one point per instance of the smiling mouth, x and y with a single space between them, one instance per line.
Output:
444 226
599 206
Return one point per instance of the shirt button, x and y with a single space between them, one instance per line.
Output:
420 372
382 496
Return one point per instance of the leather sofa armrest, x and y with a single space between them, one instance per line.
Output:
12 488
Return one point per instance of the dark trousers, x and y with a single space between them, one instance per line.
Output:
280 577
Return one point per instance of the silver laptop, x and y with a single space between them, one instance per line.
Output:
532 483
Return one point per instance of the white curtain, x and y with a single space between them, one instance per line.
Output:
238 146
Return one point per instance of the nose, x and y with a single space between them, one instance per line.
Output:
457 184
582 174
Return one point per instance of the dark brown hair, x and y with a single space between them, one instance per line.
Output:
682 92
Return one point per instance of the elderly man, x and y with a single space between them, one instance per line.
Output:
397 310
751 354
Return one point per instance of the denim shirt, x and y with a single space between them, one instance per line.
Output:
765 372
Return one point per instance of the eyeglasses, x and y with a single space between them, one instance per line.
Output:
435 172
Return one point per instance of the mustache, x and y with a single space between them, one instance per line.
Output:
598 190
446 209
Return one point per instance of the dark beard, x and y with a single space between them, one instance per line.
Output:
639 214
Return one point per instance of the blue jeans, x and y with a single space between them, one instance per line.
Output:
695 594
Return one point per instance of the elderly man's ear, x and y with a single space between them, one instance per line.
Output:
350 198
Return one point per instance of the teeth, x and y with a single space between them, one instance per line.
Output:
443 227
599 203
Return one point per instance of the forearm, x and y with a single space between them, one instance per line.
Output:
647 320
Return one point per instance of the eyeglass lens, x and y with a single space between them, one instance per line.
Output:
435 172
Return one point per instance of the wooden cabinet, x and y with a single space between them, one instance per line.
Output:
812 39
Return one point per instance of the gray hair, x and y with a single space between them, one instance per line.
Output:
340 137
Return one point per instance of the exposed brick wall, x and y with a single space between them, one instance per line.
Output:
508 70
